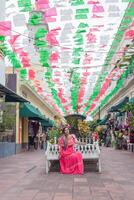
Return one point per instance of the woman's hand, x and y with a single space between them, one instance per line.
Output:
80 143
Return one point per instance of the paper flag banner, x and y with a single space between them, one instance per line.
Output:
51 38
91 38
97 9
19 20
96 16
50 19
129 34
23 73
5 28
93 2
13 39
113 8
114 14
112 1
31 74
51 12
54 57
42 4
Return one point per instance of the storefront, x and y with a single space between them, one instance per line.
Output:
31 119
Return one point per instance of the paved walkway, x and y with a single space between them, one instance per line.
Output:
22 177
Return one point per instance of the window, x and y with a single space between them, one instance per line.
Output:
7 122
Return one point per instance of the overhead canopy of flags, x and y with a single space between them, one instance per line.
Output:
69 51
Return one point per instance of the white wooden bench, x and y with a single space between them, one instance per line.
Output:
89 152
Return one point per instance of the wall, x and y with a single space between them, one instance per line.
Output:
7 149
36 100
2 71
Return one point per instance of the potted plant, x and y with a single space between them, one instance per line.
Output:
83 128
54 134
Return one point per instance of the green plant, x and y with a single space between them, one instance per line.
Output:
54 133
93 125
73 122
129 107
2 46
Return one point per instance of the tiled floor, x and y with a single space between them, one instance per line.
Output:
22 177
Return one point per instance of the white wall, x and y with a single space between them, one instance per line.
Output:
2 71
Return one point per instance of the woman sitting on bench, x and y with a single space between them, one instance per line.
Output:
71 162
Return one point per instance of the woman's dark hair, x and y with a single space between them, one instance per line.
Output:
63 130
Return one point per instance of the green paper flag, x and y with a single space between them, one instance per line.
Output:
82 11
83 25
23 73
81 16
77 2
35 19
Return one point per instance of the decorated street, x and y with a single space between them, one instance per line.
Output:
22 177
66 99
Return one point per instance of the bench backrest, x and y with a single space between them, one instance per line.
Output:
88 151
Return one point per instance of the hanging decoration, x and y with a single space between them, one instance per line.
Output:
67 50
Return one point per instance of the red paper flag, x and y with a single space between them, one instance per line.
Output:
31 74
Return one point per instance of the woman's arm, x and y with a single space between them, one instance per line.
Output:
77 142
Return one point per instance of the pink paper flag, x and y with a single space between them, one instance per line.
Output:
50 19
5 28
51 12
91 38
132 23
13 39
31 74
97 9
43 1
51 38
129 34
54 57
96 16
42 6
93 2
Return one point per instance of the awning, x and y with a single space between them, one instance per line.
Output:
46 123
117 107
76 116
27 110
10 96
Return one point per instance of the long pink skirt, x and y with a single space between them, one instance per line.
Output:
71 162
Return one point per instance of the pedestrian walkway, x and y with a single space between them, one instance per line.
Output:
22 177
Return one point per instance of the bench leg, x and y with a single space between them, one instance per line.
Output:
47 166
99 165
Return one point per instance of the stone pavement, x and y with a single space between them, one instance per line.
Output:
22 177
